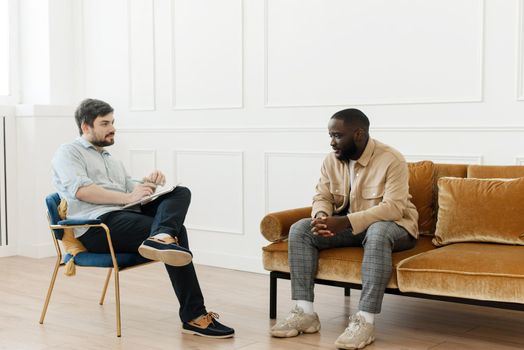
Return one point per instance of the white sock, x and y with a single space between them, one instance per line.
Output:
162 236
368 316
307 306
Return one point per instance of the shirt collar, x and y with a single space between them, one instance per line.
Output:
368 152
87 144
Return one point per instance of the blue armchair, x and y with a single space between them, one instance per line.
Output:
111 261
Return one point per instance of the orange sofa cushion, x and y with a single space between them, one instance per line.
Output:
421 190
481 271
496 171
339 264
480 210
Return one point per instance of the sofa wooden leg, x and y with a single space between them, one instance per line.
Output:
347 291
272 296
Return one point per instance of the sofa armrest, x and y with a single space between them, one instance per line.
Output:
275 226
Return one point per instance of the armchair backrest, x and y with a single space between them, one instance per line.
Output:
52 202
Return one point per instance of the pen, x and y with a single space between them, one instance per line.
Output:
145 182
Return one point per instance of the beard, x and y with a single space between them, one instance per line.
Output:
103 142
348 152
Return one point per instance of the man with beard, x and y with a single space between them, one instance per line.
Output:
96 186
361 199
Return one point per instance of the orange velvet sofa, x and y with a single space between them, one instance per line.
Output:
473 272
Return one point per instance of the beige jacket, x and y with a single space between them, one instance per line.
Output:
380 190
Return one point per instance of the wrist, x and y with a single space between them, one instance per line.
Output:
125 198
321 214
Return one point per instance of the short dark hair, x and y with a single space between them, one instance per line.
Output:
354 117
88 110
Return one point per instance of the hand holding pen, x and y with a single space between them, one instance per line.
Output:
140 191
156 178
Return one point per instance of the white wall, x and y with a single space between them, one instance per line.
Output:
232 98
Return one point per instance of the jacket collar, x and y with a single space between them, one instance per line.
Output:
368 152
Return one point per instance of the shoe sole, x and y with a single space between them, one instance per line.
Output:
360 346
312 329
281 334
187 331
293 332
169 257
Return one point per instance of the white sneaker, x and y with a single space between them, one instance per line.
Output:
357 335
295 323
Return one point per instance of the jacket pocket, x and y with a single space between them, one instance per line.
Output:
373 192
371 196
337 190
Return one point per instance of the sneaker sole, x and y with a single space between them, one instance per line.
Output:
312 329
187 331
293 332
360 346
169 257
283 334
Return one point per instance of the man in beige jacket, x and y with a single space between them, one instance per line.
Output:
361 199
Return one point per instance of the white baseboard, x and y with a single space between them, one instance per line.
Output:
227 261
40 250
7 251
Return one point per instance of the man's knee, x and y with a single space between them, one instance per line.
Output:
182 192
299 229
378 233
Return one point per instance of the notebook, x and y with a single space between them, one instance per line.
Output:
149 198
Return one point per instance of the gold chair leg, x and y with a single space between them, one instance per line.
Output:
101 302
50 290
117 298
117 282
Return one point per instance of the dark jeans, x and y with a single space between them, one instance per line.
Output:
129 229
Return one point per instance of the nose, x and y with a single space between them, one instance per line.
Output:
332 143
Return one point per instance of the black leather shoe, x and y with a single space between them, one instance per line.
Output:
208 326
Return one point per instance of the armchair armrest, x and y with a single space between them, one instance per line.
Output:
65 224
79 222
70 224
275 226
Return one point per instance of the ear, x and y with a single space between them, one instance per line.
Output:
359 134
84 127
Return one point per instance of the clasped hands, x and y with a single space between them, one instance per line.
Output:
328 226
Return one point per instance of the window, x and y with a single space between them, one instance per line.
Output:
4 48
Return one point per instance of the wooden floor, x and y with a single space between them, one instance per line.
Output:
150 319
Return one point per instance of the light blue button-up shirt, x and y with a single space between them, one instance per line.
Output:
79 164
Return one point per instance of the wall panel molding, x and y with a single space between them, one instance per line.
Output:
80 63
228 189
141 43
141 161
477 96
520 53
283 154
223 74
322 129
446 158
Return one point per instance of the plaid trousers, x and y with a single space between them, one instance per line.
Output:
379 241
